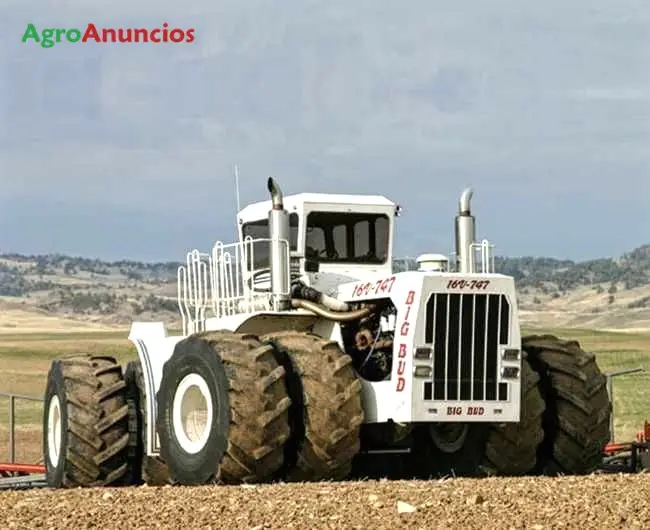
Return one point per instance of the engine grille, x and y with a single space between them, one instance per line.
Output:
466 331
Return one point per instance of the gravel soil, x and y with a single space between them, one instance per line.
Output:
599 502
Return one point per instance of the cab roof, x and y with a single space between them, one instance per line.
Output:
259 210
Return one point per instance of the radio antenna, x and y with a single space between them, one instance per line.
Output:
237 186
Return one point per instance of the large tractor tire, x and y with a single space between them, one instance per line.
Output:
511 448
479 449
222 410
578 408
86 424
150 470
326 413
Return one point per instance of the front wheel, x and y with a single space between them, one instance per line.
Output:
511 448
480 449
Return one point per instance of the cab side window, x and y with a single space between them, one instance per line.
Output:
260 230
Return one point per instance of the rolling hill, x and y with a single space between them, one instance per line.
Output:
64 290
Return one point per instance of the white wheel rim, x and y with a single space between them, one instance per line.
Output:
192 413
54 430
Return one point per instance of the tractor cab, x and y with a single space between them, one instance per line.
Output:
333 238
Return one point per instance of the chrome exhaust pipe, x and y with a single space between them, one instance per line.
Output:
276 194
465 234
279 254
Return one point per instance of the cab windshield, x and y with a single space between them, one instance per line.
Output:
336 237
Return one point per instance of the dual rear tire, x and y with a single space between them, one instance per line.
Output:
235 408
231 408
326 414
578 407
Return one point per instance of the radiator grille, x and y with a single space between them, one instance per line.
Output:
466 331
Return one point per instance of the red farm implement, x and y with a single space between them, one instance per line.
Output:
626 457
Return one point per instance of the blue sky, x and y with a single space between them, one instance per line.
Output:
127 150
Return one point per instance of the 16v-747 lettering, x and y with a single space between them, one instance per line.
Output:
374 288
476 285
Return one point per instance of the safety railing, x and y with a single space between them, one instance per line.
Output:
483 257
193 287
225 282
484 260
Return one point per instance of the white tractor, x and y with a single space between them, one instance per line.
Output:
304 356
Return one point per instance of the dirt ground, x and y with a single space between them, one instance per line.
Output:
595 502
605 501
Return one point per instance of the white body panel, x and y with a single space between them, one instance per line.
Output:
154 349
402 398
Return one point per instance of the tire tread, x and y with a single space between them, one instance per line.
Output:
259 408
578 408
98 434
327 436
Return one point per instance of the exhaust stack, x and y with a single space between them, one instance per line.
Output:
465 234
279 234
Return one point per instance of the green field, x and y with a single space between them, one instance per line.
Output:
25 359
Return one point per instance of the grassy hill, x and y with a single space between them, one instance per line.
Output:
113 293
607 292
